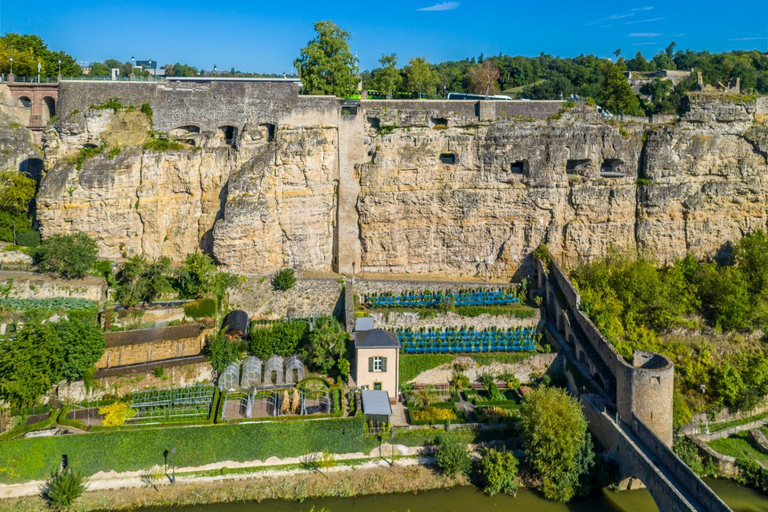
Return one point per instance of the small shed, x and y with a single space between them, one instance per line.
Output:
251 372
294 370
363 324
230 377
376 407
236 324
273 371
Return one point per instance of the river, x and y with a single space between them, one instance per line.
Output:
463 499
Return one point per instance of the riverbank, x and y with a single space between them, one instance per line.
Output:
353 479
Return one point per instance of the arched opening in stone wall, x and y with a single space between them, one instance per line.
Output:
190 128
50 105
269 131
439 122
576 167
375 122
229 134
612 168
447 158
25 102
520 167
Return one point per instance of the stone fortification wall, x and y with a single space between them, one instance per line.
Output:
149 345
27 285
257 297
401 320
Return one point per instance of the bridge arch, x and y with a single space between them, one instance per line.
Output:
25 101
228 134
50 107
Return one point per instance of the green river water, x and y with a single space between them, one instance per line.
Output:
469 499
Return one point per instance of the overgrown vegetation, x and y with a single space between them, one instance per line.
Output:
220 351
499 472
284 279
17 191
282 338
63 488
637 305
71 256
452 456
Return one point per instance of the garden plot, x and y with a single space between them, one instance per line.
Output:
172 405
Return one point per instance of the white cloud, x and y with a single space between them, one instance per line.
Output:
445 6
620 16
644 34
644 21
642 8
747 39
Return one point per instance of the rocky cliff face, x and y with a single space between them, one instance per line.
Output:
441 192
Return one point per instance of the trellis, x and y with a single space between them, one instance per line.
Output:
294 370
468 340
230 377
175 404
427 298
251 372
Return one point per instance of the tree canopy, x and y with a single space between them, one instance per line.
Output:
27 50
326 65
71 256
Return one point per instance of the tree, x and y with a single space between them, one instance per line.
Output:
616 95
196 277
326 345
554 434
283 339
142 281
484 78
326 65
81 345
751 257
452 456
71 256
420 78
27 51
499 472
388 79
221 351
16 191
29 364
284 279
116 414
63 488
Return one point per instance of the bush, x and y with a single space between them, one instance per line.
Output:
142 281
283 339
220 351
195 278
284 279
160 144
71 256
28 239
433 415
499 472
63 488
452 456
201 308
116 414
335 400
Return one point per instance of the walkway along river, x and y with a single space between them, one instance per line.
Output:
463 499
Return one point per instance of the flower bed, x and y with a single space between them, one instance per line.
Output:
427 298
467 340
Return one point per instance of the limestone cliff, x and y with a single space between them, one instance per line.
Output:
444 187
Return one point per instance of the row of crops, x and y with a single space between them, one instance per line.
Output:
53 304
465 297
456 341
170 405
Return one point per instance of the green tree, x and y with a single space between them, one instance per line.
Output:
452 456
196 276
63 488
142 281
283 338
388 78
16 191
554 433
29 364
499 472
27 51
71 256
327 344
724 293
616 95
420 78
326 65
80 344
751 257
220 351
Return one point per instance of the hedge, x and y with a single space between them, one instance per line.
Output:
201 308
23 429
138 449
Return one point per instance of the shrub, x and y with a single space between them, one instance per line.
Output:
434 415
283 339
452 456
335 400
196 276
221 352
201 308
71 256
284 279
116 414
499 472
28 239
63 488
159 144
158 372
84 154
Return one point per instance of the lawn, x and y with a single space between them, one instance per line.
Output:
411 365
740 446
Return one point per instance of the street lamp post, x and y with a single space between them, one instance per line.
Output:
39 66
214 70
133 66
59 76
173 475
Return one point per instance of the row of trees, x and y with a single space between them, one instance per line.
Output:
637 305
29 50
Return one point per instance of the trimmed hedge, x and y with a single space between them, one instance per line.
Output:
201 308
140 448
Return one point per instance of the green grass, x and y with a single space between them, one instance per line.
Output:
411 365
740 446
134 449
717 427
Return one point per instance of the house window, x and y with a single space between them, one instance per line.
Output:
377 387
378 364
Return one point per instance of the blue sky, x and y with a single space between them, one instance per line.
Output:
266 36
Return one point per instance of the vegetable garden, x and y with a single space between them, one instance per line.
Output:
427 298
463 340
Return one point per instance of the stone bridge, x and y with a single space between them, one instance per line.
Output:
41 101
629 406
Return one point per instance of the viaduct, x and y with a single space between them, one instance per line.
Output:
629 407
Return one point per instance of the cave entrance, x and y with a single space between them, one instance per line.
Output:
520 167
228 133
612 168
576 167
